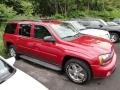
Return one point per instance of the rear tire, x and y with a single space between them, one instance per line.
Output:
12 52
114 37
77 71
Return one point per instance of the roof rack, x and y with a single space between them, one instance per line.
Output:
24 20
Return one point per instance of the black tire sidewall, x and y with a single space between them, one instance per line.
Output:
117 36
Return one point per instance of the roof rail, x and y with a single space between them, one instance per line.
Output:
40 20
25 20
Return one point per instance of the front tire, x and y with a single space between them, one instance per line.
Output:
77 71
114 37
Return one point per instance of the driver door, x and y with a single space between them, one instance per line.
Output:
47 51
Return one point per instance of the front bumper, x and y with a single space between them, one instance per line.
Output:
104 71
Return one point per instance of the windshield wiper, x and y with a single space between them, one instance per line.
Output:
68 37
83 29
77 35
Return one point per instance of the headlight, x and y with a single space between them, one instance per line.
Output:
107 36
105 58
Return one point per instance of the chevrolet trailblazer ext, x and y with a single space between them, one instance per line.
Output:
58 46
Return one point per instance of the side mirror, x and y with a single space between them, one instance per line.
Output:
49 39
10 61
101 25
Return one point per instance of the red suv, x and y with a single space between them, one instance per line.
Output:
58 46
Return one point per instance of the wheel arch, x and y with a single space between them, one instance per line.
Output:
8 44
118 32
67 58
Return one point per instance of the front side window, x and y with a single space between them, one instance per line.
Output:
85 23
10 28
40 32
25 29
95 23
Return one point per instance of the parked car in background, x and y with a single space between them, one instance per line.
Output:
112 24
95 32
12 78
59 46
116 20
101 24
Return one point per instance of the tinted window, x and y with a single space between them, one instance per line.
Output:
94 23
25 29
85 23
117 21
41 32
10 28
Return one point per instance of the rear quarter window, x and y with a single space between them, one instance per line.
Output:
10 28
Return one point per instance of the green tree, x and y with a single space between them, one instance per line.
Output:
7 12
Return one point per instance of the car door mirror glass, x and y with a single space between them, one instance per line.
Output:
101 25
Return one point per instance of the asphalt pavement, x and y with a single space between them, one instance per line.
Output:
55 80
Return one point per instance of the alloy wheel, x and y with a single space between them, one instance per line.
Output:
76 73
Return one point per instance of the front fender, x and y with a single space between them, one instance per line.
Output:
79 55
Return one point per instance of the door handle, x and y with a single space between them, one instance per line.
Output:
39 45
30 44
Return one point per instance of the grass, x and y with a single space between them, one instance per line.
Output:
2 48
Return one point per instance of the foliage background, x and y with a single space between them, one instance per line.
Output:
106 9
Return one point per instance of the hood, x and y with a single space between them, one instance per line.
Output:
97 32
91 46
94 32
111 28
21 81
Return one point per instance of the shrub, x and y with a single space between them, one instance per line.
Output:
7 12
57 16
25 17
26 7
3 51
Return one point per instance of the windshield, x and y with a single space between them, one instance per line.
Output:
102 21
78 26
64 30
112 23
5 71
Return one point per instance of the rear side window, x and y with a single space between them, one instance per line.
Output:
85 23
95 23
25 29
10 28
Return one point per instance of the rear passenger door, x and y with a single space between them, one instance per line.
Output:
24 43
